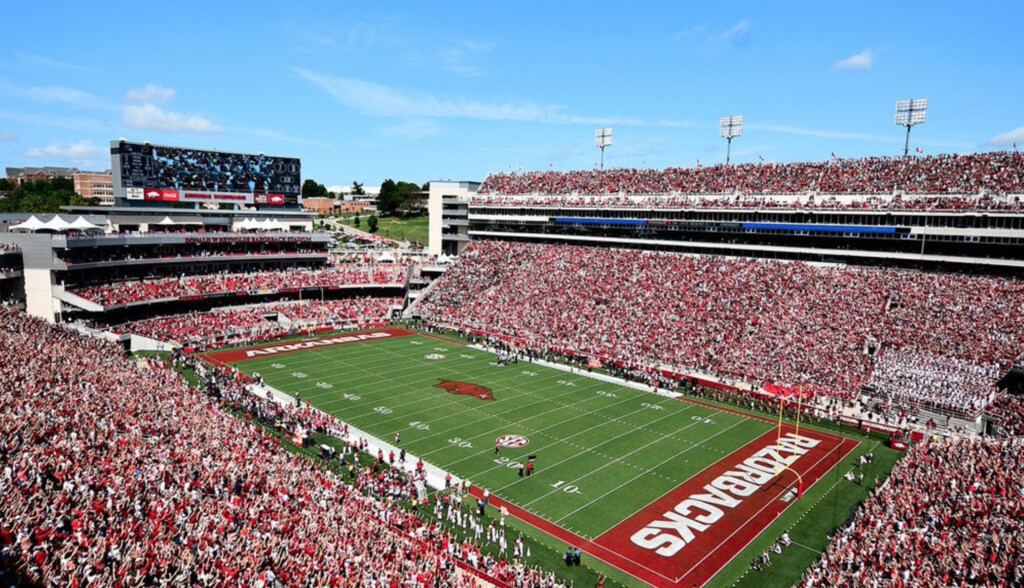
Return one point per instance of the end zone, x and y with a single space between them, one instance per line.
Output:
692 532
727 535
225 357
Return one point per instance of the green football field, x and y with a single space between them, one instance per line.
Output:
603 452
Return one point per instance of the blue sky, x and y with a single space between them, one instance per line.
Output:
438 90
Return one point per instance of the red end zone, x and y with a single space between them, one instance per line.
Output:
717 542
225 357
689 534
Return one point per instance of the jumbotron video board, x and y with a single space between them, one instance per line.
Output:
170 175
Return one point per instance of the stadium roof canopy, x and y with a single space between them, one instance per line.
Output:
32 224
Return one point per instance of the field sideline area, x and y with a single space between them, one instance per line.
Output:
672 492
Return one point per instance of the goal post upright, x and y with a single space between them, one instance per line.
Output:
782 468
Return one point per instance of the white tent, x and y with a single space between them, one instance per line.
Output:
386 257
80 224
247 225
166 222
272 225
56 224
32 224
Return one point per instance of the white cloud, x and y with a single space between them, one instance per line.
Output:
307 38
690 33
69 96
276 136
416 128
374 99
80 151
851 136
738 31
1008 139
152 93
820 133
74 124
457 58
151 116
56 94
863 60
738 35
8 137
39 60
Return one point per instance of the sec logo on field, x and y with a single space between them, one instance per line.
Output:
513 441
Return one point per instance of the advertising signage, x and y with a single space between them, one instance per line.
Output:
155 173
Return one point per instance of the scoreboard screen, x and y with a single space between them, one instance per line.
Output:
176 174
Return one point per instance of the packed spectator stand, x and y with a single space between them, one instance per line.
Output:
998 172
117 473
248 323
902 202
204 284
785 324
950 514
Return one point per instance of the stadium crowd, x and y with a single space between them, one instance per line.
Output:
905 375
1009 410
343 275
788 324
906 202
951 514
8 262
197 252
117 473
249 322
999 172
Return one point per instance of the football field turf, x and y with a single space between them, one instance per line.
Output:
633 478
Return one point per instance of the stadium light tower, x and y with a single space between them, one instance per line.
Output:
908 114
731 126
602 139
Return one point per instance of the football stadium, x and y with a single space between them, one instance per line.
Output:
751 373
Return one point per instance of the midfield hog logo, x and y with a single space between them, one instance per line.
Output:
466 389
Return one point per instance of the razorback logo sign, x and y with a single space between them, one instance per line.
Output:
466 389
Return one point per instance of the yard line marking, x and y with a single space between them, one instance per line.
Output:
614 459
560 440
539 431
413 389
620 486
416 390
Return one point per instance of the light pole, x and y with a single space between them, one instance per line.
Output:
602 139
908 114
730 126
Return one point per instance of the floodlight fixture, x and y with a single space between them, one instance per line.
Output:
729 128
910 113
602 139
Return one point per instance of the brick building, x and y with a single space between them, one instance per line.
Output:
99 185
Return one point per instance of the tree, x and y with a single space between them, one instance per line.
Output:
42 196
400 197
409 197
355 221
357 189
371 223
311 189
388 200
